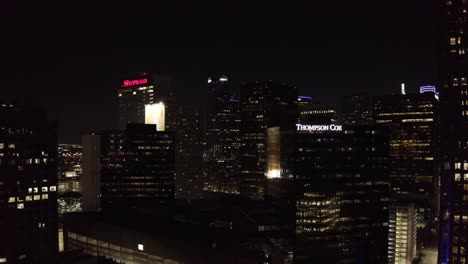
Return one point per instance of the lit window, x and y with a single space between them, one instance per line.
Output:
11 146
20 206
52 188
36 190
465 176
37 197
3 260
140 247
11 199
2 145
45 196
457 176
44 189
28 198
458 165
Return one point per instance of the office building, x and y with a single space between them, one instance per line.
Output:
412 120
138 90
314 112
222 137
342 204
264 104
453 83
69 174
189 153
357 109
402 235
130 168
28 186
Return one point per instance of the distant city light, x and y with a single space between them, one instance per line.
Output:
273 174
223 79
403 89
300 97
209 80
427 89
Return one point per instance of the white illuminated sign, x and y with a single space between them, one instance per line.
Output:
310 128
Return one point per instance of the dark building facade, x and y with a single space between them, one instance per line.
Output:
412 120
222 138
453 85
357 109
189 152
264 104
130 168
342 204
314 112
28 186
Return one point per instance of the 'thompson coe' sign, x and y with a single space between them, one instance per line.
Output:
310 128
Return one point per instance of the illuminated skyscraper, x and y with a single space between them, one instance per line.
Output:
402 234
28 186
264 105
454 132
140 90
342 203
413 121
222 138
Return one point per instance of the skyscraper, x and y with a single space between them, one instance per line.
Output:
314 112
413 121
143 89
356 109
222 137
453 80
342 203
131 168
28 186
189 152
264 105
402 235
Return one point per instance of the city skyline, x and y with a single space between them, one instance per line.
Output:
322 48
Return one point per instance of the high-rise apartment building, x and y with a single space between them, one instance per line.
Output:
222 137
264 105
128 168
412 120
402 234
28 186
453 85
342 202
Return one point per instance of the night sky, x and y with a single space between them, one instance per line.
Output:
70 58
